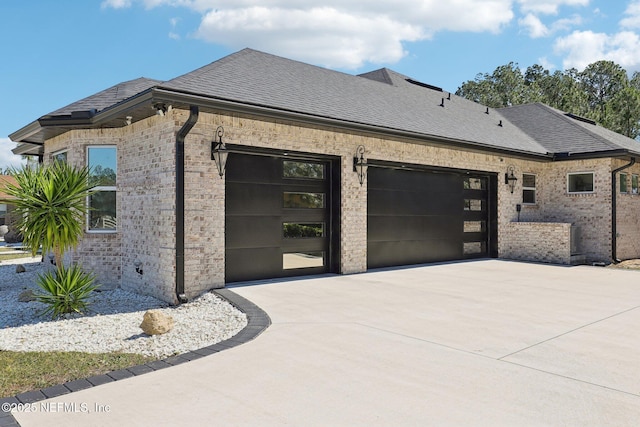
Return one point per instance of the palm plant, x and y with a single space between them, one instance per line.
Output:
50 203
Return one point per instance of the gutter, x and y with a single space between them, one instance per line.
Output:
180 137
614 222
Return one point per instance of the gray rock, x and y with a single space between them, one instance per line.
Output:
27 296
155 322
20 268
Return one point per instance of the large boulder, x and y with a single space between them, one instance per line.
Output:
155 322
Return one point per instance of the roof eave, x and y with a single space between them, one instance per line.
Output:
23 134
619 153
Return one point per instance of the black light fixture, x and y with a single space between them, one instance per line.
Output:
510 178
360 164
219 151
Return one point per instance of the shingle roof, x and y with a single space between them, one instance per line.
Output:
107 97
563 133
381 98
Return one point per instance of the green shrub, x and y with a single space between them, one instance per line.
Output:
66 290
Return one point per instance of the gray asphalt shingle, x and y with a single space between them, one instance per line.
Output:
108 97
381 98
560 133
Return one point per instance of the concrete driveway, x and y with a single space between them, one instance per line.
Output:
484 343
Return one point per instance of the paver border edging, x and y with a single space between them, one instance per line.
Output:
257 322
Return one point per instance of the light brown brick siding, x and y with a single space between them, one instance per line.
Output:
538 241
146 196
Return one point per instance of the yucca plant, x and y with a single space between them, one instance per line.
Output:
50 204
66 290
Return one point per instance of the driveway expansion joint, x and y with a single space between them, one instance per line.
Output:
257 322
569 332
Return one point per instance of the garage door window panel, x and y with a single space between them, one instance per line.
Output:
303 200
294 230
302 260
302 170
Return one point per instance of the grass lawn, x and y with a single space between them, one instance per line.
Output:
7 253
26 371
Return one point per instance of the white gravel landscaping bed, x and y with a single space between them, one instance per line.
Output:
113 324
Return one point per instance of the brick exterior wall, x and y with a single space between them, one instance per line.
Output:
538 241
628 215
99 253
591 212
146 196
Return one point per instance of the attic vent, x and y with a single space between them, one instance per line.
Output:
417 83
581 119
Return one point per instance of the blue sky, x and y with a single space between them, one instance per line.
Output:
56 52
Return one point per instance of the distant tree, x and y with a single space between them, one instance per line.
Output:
504 87
601 81
602 92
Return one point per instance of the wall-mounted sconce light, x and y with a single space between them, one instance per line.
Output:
219 151
510 178
138 265
360 164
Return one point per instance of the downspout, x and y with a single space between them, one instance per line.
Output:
614 221
180 137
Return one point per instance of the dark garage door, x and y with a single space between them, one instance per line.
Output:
417 216
278 217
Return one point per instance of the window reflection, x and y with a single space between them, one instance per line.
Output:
304 200
294 230
473 205
475 183
292 169
302 260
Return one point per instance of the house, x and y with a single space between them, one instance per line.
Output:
328 172
5 209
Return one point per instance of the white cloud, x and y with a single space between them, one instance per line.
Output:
548 7
340 33
173 34
326 35
533 26
632 13
7 158
116 4
545 63
585 47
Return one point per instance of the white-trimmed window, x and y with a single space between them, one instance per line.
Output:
580 182
624 188
102 162
529 189
59 156
634 184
